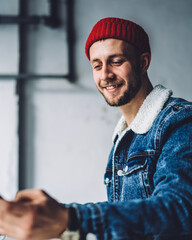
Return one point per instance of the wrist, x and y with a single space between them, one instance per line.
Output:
73 223
72 230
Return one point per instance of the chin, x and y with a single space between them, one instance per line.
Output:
114 103
118 102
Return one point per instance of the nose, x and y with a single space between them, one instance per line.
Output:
107 73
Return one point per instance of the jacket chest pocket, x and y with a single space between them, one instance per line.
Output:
135 178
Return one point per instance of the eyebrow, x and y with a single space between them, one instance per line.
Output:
95 60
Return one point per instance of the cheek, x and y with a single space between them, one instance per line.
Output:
125 76
125 72
128 75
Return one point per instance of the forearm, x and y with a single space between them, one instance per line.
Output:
158 216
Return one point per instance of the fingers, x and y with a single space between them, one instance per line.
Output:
7 226
18 219
32 215
30 195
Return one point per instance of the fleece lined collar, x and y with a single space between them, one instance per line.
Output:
147 113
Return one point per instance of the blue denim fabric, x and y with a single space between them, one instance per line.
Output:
149 182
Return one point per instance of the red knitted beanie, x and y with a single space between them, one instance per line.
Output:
119 29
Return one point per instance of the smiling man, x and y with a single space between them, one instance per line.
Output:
115 75
120 74
149 171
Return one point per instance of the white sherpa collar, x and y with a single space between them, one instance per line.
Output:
147 113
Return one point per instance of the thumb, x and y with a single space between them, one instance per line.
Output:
30 195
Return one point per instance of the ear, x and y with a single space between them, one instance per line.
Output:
145 59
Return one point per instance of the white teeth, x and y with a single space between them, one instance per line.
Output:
111 87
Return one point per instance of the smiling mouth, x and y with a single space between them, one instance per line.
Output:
113 86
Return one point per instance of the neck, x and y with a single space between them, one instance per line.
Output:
130 109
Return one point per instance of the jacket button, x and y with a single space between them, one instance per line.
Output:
126 168
120 173
91 236
106 180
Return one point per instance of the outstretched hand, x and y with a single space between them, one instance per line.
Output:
32 215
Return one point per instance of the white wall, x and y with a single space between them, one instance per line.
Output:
69 126
8 104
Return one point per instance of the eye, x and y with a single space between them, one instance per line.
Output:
117 62
97 66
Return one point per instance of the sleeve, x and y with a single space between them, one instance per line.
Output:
166 215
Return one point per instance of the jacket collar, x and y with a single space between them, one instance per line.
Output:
147 113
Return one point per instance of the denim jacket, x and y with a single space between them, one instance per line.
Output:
148 176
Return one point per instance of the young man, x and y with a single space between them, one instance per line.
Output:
149 172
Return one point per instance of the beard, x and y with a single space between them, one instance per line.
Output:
133 88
